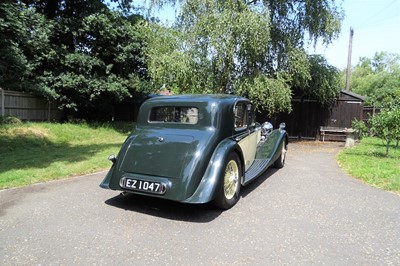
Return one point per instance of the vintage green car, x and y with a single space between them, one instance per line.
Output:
196 149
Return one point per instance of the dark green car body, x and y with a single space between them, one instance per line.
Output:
180 145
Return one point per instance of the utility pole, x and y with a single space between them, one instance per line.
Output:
348 71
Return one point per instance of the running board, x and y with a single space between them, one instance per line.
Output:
256 169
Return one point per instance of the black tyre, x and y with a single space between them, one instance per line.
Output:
280 162
229 191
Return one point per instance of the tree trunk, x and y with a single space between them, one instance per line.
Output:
387 146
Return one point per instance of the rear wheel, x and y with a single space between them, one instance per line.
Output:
280 162
228 192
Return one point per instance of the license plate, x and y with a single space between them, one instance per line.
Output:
140 185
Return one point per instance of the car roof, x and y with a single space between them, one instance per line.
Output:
195 98
210 105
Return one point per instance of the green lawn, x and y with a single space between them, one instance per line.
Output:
367 161
37 152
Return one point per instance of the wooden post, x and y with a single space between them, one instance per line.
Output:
2 102
348 71
49 114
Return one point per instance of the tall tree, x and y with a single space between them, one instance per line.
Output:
106 65
78 52
254 48
378 78
24 40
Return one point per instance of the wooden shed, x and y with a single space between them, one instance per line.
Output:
348 107
308 116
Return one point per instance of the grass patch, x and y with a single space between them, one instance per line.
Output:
367 161
37 152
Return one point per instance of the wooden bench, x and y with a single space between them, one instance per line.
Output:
333 133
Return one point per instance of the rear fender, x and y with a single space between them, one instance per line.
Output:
207 189
108 179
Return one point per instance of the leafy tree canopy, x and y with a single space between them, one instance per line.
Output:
378 78
87 54
78 52
253 48
24 40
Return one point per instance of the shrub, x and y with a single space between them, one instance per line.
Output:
360 127
386 126
7 120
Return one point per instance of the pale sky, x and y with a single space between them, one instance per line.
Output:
376 25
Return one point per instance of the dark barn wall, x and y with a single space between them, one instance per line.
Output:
308 116
344 112
304 120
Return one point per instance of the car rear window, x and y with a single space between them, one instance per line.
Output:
174 114
240 112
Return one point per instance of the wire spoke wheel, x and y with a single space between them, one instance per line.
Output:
228 192
231 179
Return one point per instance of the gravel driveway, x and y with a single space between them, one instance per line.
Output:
308 213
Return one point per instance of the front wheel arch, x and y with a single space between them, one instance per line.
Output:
280 162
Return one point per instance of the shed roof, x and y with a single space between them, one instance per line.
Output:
352 95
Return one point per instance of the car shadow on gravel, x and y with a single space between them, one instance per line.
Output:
196 213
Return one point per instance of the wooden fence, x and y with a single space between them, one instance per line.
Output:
28 107
370 111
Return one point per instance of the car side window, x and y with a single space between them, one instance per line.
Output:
252 115
240 112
